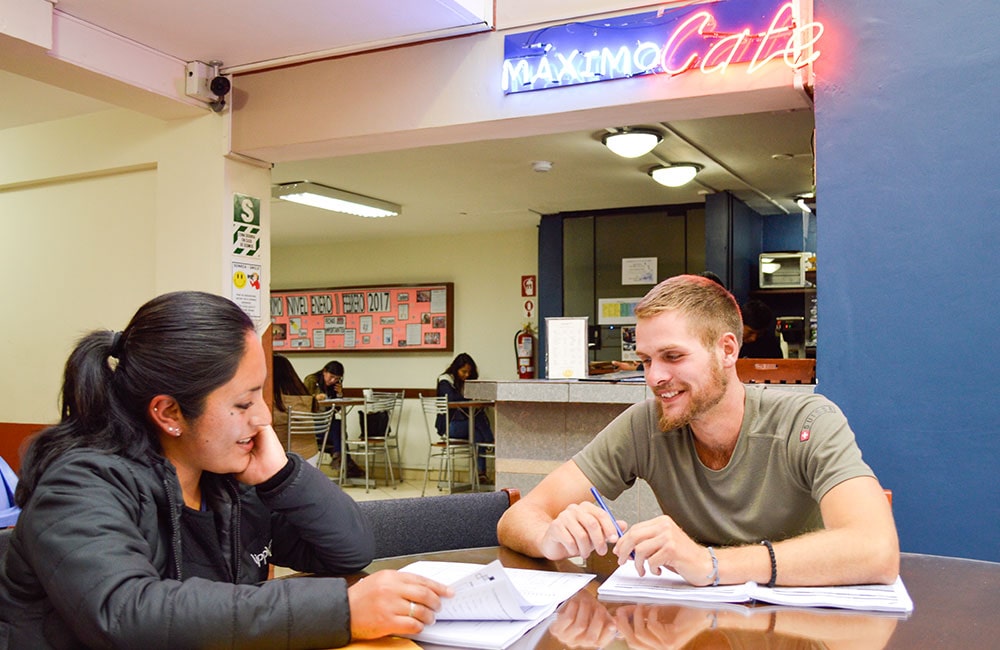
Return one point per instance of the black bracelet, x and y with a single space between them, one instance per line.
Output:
774 564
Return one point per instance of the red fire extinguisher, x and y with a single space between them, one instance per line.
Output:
524 348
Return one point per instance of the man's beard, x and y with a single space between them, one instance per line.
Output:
700 402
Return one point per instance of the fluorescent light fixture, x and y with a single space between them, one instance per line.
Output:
632 143
676 174
330 198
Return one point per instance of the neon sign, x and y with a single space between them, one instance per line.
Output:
663 42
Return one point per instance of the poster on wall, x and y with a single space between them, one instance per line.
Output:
616 311
246 287
638 270
392 318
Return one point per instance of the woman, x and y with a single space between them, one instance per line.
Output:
289 393
328 383
451 384
150 512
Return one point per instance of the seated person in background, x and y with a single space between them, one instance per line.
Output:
760 341
152 510
290 393
754 484
328 382
451 384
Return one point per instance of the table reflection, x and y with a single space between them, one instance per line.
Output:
586 622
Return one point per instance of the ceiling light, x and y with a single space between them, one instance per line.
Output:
632 143
330 198
674 175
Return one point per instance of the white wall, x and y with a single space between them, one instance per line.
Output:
486 270
100 213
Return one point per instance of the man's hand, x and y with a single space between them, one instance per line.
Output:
577 531
583 622
662 543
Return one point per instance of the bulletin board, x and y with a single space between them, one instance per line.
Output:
389 318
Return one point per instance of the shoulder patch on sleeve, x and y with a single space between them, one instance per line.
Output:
812 417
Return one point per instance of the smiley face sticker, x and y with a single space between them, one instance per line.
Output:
240 279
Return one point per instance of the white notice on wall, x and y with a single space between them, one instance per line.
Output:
566 348
638 270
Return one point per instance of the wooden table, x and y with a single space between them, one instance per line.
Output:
956 605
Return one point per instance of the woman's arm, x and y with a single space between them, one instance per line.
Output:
317 527
92 538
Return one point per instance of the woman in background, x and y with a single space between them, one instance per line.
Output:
328 383
289 392
151 511
451 384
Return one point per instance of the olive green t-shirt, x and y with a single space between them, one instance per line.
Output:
792 448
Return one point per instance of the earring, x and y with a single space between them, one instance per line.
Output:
175 430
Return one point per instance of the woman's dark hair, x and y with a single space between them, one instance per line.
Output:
285 380
463 359
332 367
183 344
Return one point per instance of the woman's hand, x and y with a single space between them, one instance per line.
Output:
394 602
265 459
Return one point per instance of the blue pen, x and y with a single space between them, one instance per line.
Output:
605 508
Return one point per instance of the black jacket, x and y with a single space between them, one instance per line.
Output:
95 561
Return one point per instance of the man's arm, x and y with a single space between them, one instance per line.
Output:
558 518
858 545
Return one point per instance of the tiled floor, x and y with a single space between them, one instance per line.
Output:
409 487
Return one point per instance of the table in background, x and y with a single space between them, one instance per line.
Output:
471 408
345 404
956 605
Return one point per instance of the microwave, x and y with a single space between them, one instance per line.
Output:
784 270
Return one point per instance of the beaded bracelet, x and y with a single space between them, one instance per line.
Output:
714 575
774 564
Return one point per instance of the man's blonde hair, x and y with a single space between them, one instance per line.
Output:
709 308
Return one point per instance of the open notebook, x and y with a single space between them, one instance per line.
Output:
493 606
626 584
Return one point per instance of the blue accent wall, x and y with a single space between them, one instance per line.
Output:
908 189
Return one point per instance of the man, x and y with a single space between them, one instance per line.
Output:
755 484
759 338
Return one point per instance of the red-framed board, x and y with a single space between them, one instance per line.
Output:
384 318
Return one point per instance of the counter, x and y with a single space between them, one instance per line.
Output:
541 423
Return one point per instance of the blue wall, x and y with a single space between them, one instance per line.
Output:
908 189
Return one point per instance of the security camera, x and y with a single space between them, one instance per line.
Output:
220 86
204 82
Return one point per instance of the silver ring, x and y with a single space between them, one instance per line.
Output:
413 607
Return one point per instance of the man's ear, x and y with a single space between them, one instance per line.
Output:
166 415
729 347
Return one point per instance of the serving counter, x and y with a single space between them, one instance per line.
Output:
541 423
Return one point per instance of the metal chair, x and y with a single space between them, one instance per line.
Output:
444 448
438 523
391 438
301 423
370 444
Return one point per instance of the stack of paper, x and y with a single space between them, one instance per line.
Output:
493 606
626 584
